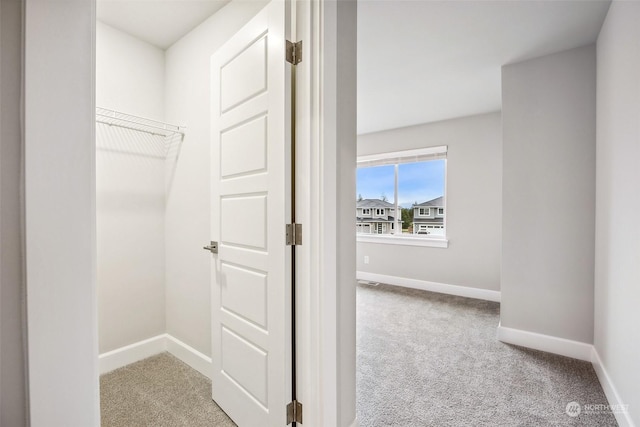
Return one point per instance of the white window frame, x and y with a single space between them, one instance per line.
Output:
379 211
440 213
424 211
367 213
395 158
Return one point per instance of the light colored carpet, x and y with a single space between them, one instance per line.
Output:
427 359
160 391
424 359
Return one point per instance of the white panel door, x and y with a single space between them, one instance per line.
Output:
250 186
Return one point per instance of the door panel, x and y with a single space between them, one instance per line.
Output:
245 75
250 137
237 354
245 220
251 272
244 293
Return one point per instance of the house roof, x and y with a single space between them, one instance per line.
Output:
438 202
373 203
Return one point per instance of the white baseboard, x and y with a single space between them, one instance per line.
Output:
131 353
442 288
150 347
561 346
189 355
622 417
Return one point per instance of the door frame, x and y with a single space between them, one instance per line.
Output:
60 169
327 159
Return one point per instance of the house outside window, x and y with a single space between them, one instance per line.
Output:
429 223
381 222
405 193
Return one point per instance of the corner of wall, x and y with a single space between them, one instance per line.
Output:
549 110
616 352
619 408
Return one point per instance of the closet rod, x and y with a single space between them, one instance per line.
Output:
112 117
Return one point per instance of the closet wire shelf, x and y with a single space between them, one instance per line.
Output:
142 124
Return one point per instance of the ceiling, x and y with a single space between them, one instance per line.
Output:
424 61
159 22
419 61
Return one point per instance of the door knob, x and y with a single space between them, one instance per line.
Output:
213 247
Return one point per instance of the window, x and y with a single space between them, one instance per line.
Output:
366 212
405 190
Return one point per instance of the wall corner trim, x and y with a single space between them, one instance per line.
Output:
441 288
189 355
150 347
548 343
355 423
622 417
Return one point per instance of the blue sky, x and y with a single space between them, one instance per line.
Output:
417 182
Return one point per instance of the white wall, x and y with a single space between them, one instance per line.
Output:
130 198
187 95
60 213
13 409
548 116
474 204
617 272
129 74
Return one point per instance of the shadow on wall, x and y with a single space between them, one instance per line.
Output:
138 148
173 145
129 142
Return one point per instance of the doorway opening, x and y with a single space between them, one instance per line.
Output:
190 154
430 74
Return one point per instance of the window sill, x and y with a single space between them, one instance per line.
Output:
430 242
